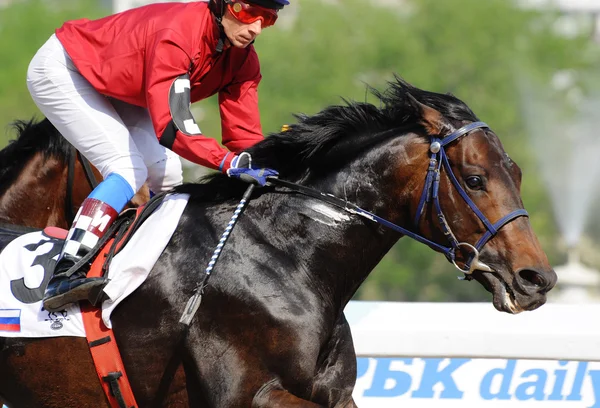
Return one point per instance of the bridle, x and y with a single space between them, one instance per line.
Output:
437 159
74 154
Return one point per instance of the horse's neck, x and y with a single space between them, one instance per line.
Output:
343 259
335 249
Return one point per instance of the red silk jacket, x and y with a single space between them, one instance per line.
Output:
135 56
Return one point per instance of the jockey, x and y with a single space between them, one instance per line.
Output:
120 88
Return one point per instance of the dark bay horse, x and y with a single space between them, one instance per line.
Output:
42 178
271 330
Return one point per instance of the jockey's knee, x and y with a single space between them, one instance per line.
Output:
39 70
35 77
165 174
133 171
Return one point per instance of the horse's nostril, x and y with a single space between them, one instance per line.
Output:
532 277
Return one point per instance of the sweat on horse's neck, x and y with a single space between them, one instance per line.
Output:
336 251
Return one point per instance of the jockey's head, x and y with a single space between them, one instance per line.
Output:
240 21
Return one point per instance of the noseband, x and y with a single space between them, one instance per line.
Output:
430 192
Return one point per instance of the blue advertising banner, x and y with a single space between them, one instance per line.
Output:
464 382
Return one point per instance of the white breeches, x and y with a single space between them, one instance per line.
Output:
116 137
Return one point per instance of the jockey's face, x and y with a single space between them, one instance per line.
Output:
239 34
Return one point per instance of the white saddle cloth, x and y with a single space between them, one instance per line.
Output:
26 265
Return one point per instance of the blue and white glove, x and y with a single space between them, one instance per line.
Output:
241 168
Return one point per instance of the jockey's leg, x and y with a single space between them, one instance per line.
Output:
164 166
95 215
88 121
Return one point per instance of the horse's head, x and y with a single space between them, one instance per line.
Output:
478 213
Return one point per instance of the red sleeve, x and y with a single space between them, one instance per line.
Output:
167 58
238 103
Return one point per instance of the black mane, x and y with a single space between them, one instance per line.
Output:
33 137
334 136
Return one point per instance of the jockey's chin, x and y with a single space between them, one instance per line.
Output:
241 41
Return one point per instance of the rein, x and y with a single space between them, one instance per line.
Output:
438 158
74 154
430 192
194 302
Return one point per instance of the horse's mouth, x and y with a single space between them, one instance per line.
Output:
504 299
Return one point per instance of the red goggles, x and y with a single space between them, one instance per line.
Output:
249 13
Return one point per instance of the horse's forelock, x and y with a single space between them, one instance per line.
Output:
396 101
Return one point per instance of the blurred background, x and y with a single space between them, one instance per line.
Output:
530 69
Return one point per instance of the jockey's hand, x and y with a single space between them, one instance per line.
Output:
243 161
241 168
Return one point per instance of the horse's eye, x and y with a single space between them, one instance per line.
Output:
474 182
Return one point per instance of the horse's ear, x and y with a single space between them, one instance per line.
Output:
433 121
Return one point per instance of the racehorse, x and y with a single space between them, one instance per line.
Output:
42 169
271 331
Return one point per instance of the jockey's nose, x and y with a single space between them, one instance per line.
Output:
256 27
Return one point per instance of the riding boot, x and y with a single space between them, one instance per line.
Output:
67 286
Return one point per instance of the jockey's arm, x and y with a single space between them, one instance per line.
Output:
168 101
238 104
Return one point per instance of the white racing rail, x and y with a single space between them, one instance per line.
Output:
475 330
